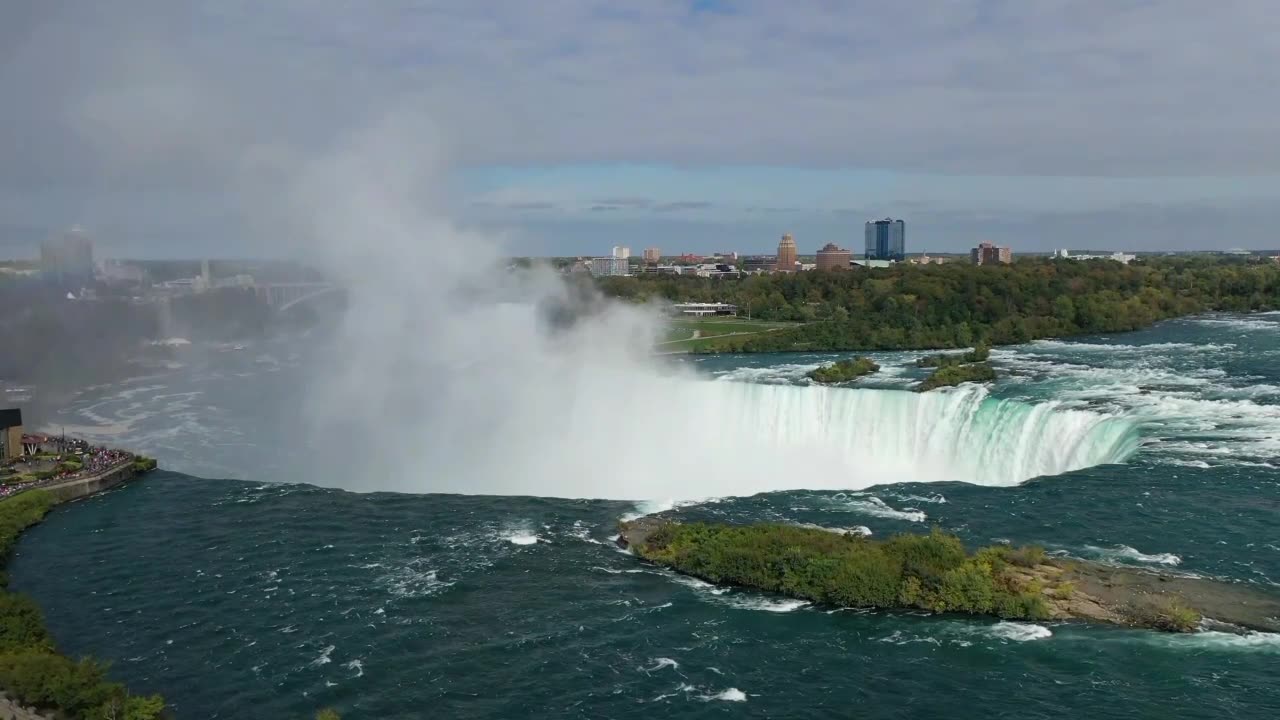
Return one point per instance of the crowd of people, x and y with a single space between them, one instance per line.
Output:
100 459
57 461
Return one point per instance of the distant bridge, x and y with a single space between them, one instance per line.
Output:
283 296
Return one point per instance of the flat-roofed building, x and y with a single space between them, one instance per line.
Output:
833 257
990 254
699 309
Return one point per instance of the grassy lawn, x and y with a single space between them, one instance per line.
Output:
680 333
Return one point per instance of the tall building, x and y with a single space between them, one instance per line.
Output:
67 258
621 252
886 239
787 254
833 257
652 256
989 254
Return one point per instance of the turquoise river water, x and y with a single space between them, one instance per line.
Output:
255 598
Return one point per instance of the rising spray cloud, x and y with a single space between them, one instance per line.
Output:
448 374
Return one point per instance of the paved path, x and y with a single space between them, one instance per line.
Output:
57 482
698 334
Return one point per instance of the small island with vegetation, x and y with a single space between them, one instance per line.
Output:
952 375
843 371
935 572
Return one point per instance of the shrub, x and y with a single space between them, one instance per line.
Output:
1175 617
1064 590
143 464
844 370
951 375
328 714
927 557
1027 556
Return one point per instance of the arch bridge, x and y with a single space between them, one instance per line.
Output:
282 296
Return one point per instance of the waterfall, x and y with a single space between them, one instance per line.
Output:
858 437
649 438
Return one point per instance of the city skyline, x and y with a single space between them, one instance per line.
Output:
179 131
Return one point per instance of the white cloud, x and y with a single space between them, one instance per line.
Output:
219 96
1087 87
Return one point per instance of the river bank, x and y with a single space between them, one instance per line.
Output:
36 680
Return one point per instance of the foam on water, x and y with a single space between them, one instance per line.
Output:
750 602
659 664
700 586
862 530
1020 632
729 695
1212 640
877 507
1245 324
1069 346
324 656
1124 552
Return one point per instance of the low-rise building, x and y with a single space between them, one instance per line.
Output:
1120 257
833 257
701 309
760 264
926 259
871 263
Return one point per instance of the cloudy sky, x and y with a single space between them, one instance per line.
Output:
166 127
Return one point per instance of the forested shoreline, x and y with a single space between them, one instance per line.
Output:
956 305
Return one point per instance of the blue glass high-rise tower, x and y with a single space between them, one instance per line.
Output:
886 239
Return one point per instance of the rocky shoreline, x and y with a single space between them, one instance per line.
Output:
1081 590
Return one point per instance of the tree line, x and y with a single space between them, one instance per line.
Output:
960 305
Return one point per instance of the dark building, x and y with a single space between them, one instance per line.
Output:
10 433
989 254
759 263
886 240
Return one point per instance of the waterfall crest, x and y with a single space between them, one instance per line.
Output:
682 439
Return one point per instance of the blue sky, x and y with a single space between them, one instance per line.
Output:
566 126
